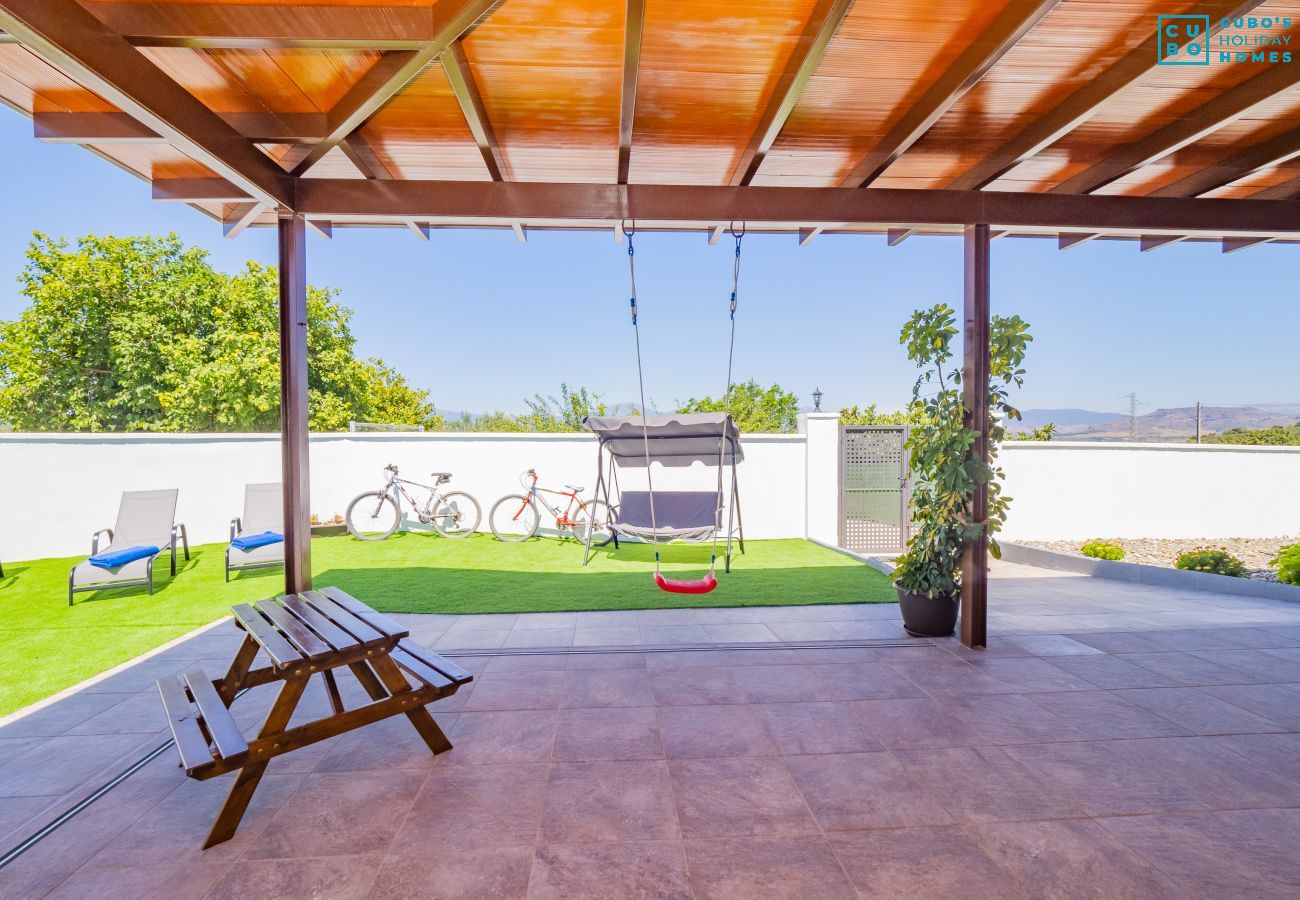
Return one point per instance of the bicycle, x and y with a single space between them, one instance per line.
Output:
375 515
515 517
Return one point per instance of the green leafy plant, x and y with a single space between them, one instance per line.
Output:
1102 550
944 477
868 415
1041 433
756 409
1211 559
1287 563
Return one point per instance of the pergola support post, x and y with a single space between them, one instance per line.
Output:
293 402
975 394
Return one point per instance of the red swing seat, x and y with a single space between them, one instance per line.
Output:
686 585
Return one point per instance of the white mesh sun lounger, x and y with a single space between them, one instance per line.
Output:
263 511
144 519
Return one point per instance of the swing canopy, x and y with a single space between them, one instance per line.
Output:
676 440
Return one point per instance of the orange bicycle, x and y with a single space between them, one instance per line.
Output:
515 517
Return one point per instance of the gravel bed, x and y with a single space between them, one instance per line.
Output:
1255 553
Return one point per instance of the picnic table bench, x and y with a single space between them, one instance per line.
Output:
301 635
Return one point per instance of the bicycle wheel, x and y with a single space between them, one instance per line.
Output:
595 515
372 516
514 518
455 515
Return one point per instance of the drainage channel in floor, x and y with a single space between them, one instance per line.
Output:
99 792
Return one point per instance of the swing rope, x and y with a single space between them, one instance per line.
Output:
710 581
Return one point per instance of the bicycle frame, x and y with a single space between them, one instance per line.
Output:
562 518
396 488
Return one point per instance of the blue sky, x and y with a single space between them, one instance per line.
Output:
482 321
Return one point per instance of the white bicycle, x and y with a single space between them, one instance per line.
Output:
375 515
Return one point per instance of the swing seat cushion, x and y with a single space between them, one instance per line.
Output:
679 515
686 586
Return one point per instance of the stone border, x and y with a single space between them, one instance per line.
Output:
1143 574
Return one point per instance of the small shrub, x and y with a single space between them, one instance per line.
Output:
1102 550
1288 564
1211 559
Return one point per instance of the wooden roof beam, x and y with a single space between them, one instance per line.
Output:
634 24
1187 129
799 68
1287 190
705 205
452 20
195 190
467 94
91 128
251 26
1005 31
1080 106
64 34
359 152
1265 155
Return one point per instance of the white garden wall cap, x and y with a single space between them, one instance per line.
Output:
398 437
1116 446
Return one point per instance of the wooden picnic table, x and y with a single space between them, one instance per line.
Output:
312 633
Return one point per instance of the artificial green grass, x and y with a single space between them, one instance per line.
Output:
46 645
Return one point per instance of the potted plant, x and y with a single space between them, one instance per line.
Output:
928 576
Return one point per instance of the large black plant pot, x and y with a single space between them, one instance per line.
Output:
927 616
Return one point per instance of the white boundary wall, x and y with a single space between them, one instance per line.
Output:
1066 490
58 489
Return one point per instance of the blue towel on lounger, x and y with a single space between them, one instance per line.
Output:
248 542
112 559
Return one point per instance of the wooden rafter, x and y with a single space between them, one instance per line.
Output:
263 26
359 152
66 35
803 62
1005 31
1272 152
700 206
452 19
240 217
1080 106
193 190
467 94
1205 119
1287 190
93 127
634 23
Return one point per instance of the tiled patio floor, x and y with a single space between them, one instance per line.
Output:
1114 741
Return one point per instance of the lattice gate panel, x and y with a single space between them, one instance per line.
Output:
873 488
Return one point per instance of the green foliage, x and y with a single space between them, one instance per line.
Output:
142 334
851 415
1041 433
1211 559
1287 563
562 413
1276 436
1102 550
756 409
944 478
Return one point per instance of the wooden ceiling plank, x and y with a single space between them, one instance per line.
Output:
634 24
467 94
91 128
1272 152
452 20
705 205
1005 31
196 190
242 216
1080 106
802 63
1224 109
233 26
64 34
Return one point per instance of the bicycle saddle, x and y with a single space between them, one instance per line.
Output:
575 488
441 476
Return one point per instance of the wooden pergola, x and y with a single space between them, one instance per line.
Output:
976 117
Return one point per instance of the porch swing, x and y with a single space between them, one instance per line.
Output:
675 441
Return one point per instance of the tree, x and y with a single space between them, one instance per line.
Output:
142 334
868 415
756 409
1273 436
562 413
1041 433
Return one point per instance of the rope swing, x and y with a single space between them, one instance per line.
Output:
709 581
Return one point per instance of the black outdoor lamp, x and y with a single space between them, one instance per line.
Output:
817 399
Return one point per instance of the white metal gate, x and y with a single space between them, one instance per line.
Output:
873 488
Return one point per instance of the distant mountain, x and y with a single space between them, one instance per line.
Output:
1036 418
1179 423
